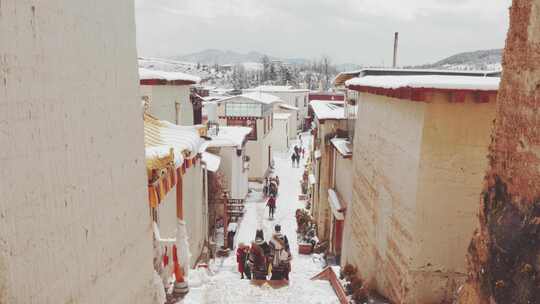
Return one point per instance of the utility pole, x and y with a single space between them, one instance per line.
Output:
394 63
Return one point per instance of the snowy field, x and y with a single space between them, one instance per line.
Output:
225 285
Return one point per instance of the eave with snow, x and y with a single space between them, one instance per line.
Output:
155 77
228 136
422 87
275 89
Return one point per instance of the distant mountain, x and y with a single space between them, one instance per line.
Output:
477 60
213 56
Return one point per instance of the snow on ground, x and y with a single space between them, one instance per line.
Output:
225 285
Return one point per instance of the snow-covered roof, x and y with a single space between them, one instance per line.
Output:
161 136
282 116
147 74
255 96
328 109
288 107
212 161
342 77
428 81
228 136
342 145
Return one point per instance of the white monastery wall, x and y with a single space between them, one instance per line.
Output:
163 99
74 219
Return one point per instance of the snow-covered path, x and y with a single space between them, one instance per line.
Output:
226 287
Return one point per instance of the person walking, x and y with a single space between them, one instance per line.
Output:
257 259
241 258
293 159
298 159
280 255
273 189
271 207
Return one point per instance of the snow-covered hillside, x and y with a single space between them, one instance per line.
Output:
477 60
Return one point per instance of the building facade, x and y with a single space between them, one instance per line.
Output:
297 98
329 122
168 95
253 110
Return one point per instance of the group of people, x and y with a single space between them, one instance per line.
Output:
299 152
262 258
270 187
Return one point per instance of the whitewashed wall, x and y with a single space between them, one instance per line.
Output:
74 219
280 140
258 152
163 99
194 202
232 168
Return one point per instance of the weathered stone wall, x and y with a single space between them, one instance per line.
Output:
504 264
74 221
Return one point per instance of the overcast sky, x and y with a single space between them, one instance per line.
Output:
349 31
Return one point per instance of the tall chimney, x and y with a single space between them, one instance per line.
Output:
394 63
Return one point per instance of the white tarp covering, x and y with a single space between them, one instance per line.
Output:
335 205
182 243
342 145
212 161
324 109
312 179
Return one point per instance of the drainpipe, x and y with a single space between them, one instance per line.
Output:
177 112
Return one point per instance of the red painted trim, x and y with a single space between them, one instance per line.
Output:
424 94
458 96
165 82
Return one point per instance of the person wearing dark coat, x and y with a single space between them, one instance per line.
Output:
257 259
241 258
271 207
280 255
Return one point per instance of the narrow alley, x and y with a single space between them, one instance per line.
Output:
225 286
